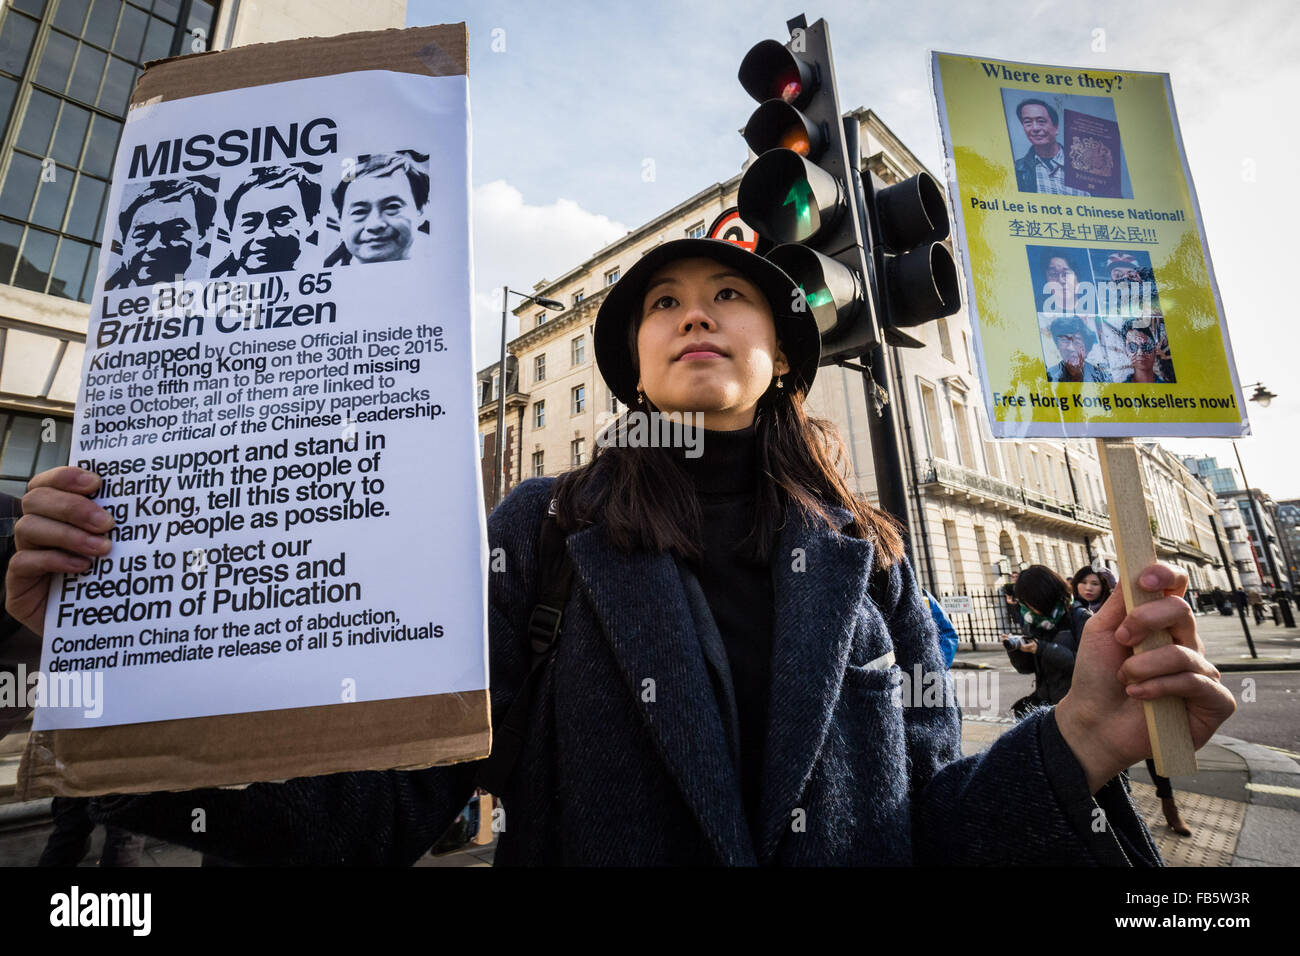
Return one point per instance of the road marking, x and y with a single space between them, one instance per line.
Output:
1274 788
1289 753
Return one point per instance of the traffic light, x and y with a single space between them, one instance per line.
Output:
799 193
908 222
868 257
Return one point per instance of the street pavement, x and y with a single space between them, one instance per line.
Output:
1242 805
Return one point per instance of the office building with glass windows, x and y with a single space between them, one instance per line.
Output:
67 68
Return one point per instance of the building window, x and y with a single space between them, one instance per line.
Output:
577 297
933 427
579 445
954 556
73 74
578 350
539 368
611 276
964 447
539 414
579 399
482 444
496 384
537 464
992 459
541 318
25 454
945 340
696 231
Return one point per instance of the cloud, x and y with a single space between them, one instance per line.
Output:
517 244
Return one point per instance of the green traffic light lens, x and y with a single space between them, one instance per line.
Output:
819 298
802 221
785 198
832 292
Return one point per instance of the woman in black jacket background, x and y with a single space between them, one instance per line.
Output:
1053 629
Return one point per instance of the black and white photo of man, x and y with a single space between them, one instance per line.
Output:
272 221
165 232
381 206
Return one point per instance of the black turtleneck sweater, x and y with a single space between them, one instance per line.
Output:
739 590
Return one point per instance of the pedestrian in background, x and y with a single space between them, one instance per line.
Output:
1053 631
1256 601
1090 589
948 639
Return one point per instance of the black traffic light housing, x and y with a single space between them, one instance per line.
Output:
800 191
869 257
916 274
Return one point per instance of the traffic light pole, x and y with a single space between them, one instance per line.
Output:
891 486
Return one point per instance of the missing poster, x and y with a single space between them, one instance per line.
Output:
278 395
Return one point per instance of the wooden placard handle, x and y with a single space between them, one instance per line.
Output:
1171 737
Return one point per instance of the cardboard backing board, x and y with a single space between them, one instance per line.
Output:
235 749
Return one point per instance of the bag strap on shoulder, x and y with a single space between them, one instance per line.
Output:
554 584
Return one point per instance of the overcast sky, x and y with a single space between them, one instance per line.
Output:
565 116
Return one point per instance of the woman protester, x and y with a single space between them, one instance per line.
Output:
1090 589
726 682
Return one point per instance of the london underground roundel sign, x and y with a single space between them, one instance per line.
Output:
732 228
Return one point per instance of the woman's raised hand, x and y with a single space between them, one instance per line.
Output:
61 531
1102 717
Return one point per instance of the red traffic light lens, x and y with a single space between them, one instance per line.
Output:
786 86
770 71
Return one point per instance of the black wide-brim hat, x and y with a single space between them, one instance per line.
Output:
796 331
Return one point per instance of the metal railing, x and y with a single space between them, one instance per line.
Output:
939 471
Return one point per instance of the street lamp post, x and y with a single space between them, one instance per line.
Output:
545 303
1232 584
1263 396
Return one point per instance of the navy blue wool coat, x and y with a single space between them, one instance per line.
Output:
631 755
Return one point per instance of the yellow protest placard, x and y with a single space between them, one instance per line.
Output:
1089 281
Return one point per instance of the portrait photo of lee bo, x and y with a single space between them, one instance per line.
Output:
381 203
271 222
164 230
1066 145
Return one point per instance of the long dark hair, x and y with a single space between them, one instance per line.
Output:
648 502
1078 579
1042 588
